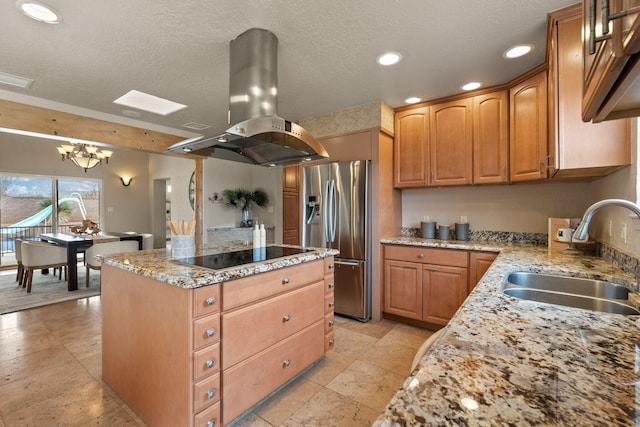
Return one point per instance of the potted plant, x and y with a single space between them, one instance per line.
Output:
243 200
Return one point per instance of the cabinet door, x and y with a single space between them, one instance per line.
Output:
479 263
626 30
411 148
451 143
577 148
291 205
403 288
444 289
490 138
528 129
291 178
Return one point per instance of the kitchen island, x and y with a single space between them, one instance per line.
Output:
508 361
188 345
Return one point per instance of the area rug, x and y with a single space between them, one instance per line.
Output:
45 289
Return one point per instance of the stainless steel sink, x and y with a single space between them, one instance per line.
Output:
576 292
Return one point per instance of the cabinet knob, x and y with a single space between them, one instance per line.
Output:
332 322
332 342
332 285
211 423
286 363
211 301
210 363
211 332
420 255
285 281
210 394
332 303
286 318
332 266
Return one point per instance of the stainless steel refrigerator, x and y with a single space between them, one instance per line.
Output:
336 214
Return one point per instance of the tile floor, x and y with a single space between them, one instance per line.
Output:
50 368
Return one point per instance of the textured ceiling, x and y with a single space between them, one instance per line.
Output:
180 50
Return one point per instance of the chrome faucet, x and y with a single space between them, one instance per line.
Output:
581 231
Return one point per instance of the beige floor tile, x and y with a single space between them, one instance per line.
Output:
352 344
19 318
115 417
330 409
329 367
21 368
20 346
370 328
393 357
368 384
282 405
250 420
410 336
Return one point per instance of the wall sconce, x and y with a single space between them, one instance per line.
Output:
126 180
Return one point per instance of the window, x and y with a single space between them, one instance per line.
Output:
26 211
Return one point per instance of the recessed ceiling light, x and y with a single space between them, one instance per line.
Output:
412 100
518 51
389 58
39 11
471 86
10 79
153 104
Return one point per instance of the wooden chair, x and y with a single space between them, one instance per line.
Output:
39 255
93 254
18 251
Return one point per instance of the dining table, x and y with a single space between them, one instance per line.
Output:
75 243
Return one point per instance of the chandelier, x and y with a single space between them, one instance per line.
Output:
84 155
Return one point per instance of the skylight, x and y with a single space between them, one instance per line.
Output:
153 104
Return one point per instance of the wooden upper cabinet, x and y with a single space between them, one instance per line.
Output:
410 148
291 178
291 208
528 129
451 143
491 138
578 149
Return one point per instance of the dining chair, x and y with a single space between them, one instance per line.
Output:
93 255
39 255
18 252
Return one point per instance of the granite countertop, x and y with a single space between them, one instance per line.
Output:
506 361
158 264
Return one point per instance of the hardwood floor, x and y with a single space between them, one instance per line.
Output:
50 366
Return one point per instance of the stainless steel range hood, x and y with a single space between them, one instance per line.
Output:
259 136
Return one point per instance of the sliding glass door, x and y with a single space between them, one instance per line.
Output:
26 208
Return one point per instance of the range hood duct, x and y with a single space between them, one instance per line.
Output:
259 136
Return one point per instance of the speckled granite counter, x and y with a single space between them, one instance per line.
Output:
506 361
158 264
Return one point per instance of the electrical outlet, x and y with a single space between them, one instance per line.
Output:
610 228
463 219
623 233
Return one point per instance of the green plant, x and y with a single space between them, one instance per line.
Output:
65 209
243 199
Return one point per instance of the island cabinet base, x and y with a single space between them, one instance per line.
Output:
193 357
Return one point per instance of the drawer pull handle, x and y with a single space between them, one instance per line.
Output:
332 322
331 266
211 332
332 342
211 423
210 394
211 301
285 281
431 269
420 255
332 303
286 363
210 363
286 318
332 285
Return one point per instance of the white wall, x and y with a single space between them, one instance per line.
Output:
124 208
521 207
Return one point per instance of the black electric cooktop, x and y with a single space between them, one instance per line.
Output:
236 258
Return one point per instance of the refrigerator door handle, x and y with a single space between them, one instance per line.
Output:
349 263
334 210
325 213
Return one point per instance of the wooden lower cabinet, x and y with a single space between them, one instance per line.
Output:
426 284
179 357
479 263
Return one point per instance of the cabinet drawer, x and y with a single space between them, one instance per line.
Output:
206 392
210 417
329 341
427 255
206 362
253 288
329 266
206 300
249 381
206 331
329 283
252 329
329 322
329 303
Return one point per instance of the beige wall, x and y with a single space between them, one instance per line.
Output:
123 208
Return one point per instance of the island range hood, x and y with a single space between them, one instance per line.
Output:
259 136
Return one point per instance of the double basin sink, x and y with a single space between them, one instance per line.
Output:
569 291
